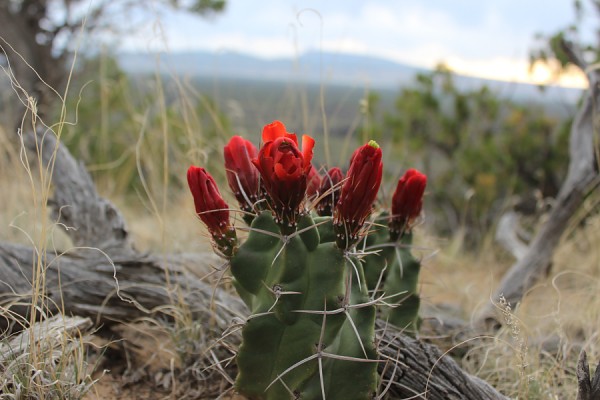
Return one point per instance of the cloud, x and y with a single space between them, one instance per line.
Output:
488 37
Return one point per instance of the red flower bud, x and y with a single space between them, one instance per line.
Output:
358 194
242 175
284 170
212 209
313 183
329 191
407 202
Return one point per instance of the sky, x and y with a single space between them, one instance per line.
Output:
489 39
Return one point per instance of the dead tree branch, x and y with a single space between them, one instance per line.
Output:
581 176
92 220
507 236
49 333
588 389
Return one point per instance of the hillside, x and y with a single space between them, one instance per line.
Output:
321 67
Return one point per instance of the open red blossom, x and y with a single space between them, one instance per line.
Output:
313 183
284 170
407 202
242 175
358 194
212 209
329 191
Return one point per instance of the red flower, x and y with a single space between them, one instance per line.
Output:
242 175
284 170
212 209
330 191
358 194
313 183
407 202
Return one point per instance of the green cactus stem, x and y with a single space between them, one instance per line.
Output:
393 272
307 333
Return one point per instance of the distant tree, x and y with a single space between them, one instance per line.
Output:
477 148
556 50
119 116
37 37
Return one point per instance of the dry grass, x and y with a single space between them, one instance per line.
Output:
534 355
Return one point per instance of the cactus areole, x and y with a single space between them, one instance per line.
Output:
314 284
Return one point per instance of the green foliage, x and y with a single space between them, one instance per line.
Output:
140 126
202 6
553 50
476 148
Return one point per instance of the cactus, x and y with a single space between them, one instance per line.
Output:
393 271
296 287
311 329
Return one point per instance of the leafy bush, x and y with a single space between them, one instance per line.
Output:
477 148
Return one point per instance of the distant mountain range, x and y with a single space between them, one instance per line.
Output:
317 67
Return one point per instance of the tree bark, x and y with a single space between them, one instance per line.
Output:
49 334
35 71
419 371
91 220
588 389
123 287
507 236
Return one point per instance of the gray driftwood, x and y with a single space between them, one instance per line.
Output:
418 370
52 330
507 235
116 283
588 389
125 287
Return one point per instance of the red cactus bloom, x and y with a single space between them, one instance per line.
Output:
358 194
242 175
407 202
284 170
329 191
313 183
212 209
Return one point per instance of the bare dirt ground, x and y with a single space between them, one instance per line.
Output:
141 365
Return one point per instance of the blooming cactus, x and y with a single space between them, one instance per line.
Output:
313 183
329 191
242 176
212 209
407 202
284 170
358 194
311 333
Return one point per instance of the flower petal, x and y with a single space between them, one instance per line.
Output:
308 143
275 130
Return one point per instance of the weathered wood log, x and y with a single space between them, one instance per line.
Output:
418 370
92 220
125 287
588 389
49 333
507 236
